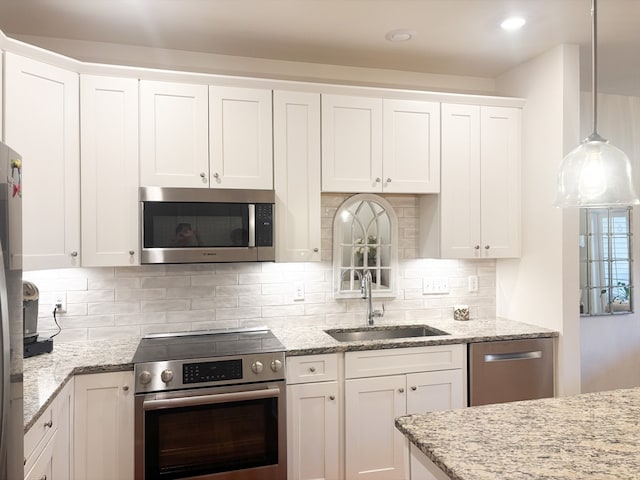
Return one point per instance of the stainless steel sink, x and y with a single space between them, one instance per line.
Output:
383 333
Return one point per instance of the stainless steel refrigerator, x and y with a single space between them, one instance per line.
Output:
11 408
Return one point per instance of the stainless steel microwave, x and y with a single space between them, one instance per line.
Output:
201 225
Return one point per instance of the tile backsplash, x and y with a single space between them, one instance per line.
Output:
109 302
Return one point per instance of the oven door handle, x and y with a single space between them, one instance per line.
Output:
210 399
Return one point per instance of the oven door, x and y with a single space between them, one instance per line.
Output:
231 433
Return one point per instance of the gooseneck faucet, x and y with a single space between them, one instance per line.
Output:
365 291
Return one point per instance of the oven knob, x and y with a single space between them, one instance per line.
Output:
276 365
166 376
257 367
145 377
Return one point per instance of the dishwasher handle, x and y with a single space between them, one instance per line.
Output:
504 357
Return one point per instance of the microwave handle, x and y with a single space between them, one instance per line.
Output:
252 225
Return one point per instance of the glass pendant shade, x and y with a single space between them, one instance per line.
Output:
595 174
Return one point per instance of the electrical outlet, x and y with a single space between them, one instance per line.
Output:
472 282
298 291
60 303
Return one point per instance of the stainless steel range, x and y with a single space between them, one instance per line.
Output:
210 405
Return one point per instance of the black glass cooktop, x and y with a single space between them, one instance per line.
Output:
206 344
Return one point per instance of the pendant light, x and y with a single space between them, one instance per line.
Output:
595 173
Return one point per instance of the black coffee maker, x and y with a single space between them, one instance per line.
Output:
33 344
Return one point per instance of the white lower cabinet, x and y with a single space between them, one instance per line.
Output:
381 385
47 444
104 437
313 418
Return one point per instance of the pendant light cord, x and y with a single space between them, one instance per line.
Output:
594 64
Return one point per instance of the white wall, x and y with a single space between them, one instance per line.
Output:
542 287
610 346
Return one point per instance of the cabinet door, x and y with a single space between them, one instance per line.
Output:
62 466
42 125
240 132
411 142
374 448
43 466
500 182
296 133
351 144
174 144
109 179
435 391
460 191
313 433
103 430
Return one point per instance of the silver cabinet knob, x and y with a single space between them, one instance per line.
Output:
74 254
257 367
414 388
388 180
125 388
216 175
276 365
378 179
145 377
131 252
312 369
203 175
332 397
316 250
48 424
487 247
401 390
477 247
44 477
166 376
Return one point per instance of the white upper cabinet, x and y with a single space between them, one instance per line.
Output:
240 132
477 214
296 134
109 173
376 145
42 124
411 146
351 144
174 144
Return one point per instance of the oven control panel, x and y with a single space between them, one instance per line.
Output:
177 374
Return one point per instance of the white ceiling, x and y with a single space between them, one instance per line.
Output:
459 37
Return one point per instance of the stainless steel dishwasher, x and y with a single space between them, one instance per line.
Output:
511 370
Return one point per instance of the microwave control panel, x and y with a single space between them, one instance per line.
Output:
264 225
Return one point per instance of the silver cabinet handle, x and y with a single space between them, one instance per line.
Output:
401 390
312 369
48 424
74 254
414 388
203 175
332 397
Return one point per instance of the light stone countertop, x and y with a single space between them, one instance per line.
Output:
592 436
46 374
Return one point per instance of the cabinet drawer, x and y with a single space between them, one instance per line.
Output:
312 368
374 363
39 434
42 467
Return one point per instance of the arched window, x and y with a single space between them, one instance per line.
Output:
365 236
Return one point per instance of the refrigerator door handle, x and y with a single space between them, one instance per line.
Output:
6 362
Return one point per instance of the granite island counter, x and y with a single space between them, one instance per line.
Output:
592 436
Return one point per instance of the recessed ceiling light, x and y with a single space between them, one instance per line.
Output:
401 35
513 23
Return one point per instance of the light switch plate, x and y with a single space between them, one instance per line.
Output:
435 285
